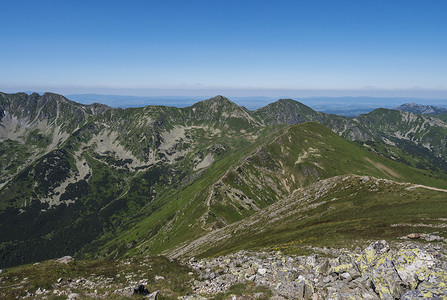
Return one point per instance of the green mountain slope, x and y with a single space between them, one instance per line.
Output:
112 165
442 117
282 164
414 136
97 181
32 125
342 211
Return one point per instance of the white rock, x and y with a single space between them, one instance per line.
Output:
65 260
153 295
262 271
346 276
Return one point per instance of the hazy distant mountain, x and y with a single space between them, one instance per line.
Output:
422 109
345 106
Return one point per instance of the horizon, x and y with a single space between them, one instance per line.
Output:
350 106
287 49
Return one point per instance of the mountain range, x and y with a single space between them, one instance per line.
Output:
211 178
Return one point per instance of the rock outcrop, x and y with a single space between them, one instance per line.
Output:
411 271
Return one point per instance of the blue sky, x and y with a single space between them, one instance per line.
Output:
266 48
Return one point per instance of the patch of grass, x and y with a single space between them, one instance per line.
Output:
247 289
107 274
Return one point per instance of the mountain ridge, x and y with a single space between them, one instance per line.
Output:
126 174
421 109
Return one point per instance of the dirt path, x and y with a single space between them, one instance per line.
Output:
427 187
383 168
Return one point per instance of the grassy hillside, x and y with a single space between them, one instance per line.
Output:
442 117
251 180
343 211
94 279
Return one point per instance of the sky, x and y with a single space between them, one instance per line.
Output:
235 48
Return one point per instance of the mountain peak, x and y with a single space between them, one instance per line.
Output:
286 111
288 102
421 109
217 101
285 100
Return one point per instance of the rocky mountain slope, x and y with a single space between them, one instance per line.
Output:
404 134
404 270
101 182
110 166
32 125
421 109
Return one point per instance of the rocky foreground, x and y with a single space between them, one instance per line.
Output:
413 271
408 270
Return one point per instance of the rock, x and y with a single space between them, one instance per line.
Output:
128 291
413 295
308 290
284 276
140 290
153 296
346 276
262 271
380 247
433 238
251 271
377 271
73 296
59 280
415 236
323 267
65 259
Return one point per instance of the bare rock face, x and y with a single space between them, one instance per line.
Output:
65 260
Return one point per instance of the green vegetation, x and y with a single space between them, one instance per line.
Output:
350 212
320 153
98 182
106 274
442 117
245 289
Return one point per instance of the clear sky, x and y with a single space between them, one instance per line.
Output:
363 47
